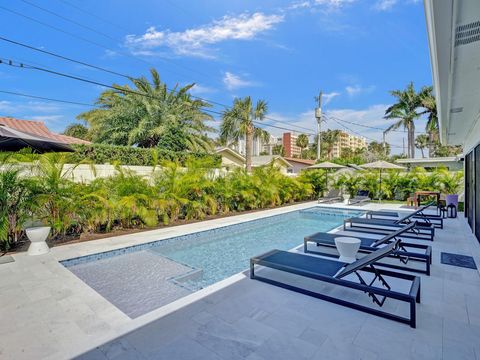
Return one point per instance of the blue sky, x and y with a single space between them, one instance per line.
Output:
280 51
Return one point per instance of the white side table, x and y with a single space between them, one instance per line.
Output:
347 248
37 236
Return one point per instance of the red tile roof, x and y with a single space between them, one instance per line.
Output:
39 128
301 161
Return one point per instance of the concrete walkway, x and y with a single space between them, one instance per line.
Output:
46 312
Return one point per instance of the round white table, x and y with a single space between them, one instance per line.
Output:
347 248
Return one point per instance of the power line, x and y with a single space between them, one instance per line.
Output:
69 20
370 127
94 15
355 132
98 44
45 98
66 58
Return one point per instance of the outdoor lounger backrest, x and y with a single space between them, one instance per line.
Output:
368 259
333 193
393 234
362 193
416 212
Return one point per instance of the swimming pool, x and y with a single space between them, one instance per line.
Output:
143 277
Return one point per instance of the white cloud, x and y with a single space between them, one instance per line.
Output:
384 5
329 97
196 41
198 89
354 90
233 81
46 118
326 4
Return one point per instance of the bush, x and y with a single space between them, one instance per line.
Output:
127 155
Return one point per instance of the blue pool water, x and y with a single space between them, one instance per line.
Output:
140 278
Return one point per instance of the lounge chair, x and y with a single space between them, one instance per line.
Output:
336 272
361 197
368 245
435 219
332 196
422 230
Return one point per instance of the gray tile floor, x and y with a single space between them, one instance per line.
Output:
253 320
46 312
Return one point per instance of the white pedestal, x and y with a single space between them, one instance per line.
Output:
347 248
346 199
37 236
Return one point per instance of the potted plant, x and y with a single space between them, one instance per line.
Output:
451 183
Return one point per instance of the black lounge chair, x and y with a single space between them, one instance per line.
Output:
419 214
422 230
335 272
361 197
368 245
332 196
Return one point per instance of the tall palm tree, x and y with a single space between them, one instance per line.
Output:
421 142
302 142
330 138
405 111
142 114
239 122
429 103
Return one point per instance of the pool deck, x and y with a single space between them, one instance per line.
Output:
46 312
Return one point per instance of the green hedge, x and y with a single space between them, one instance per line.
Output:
126 155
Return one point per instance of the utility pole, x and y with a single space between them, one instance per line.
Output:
318 116
384 145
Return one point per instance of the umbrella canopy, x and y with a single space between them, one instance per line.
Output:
14 140
326 165
381 165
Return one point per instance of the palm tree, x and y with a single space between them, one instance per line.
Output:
405 111
142 114
302 142
429 103
239 122
421 142
330 138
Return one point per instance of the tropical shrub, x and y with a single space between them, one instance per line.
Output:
128 155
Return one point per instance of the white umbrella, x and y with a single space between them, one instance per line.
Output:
327 165
381 165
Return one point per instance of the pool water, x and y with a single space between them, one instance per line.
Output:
223 254
140 278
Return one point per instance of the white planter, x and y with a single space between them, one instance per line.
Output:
37 236
346 198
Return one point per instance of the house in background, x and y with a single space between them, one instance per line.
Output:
277 161
299 164
453 163
230 158
38 128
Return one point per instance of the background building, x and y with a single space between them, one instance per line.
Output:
289 142
348 141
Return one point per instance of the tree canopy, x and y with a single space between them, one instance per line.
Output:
145 113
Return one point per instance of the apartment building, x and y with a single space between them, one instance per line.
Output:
348 141
289 142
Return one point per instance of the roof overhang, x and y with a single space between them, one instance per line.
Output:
453 34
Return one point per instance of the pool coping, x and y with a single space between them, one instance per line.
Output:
47 268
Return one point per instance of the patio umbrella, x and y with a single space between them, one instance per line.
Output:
327 165
14 140
381 165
